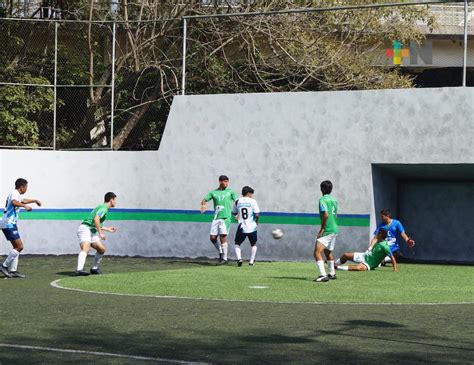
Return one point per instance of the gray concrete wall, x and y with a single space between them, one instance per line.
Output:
281 144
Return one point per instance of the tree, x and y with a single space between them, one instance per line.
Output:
317 51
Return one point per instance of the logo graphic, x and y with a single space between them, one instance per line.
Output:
409 56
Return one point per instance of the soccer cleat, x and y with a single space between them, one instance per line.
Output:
17 274
239 263
82 273
5 271
221 258
223 262
96 271
251 263
321 279
332 277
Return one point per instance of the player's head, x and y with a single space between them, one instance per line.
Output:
110 198
326 187
247 191
223 181
21 185
382 234
385 216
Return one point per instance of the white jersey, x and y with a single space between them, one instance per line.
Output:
10 212
246 208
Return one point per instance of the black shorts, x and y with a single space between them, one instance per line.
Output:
240 237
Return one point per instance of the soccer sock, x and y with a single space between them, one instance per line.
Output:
14 264
81 260
252 255
238 252
387 259
343 268
225 249
331 267
11 256
338 261
218 247
97 260
322 269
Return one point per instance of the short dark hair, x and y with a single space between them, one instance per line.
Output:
223 178
386 213
246 190
326 187
20 182
109 196
383 233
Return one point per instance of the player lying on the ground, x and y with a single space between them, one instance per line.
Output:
394 227
223 197
90 234
246 212
15 201
369 260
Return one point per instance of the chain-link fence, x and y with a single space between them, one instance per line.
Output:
109 84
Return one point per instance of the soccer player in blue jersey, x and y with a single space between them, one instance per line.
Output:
394 228
8 224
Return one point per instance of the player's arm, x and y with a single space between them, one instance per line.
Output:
109 229
394 263
372 242
17 203
409 241
31 201
98 227
324 220
256 215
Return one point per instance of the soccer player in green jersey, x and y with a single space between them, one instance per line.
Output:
223 198
371 259
91 232
326 237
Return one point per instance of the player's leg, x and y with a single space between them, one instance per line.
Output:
347 256
330 261
319 247
239 238
11 262
85 238
224 226
358 257
213 237
13 267
253 243
100 251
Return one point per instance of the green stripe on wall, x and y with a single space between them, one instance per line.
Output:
185 217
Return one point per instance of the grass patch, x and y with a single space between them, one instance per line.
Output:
292 282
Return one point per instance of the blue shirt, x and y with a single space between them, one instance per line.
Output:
394 229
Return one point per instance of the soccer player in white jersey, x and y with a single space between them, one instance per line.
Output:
8 224
246 211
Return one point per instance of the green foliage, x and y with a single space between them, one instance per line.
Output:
20 110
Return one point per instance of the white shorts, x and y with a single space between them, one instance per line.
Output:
328 241
219 227
359 257
85 235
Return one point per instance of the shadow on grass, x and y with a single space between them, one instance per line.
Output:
66 273
292 278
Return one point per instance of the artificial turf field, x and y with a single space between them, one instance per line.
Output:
233 329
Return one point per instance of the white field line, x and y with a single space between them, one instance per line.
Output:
55 284
96 353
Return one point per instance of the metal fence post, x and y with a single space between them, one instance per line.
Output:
112 98
183 80
55 98
464 67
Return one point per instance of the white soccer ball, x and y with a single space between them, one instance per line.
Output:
277 233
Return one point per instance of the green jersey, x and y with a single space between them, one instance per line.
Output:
223 200
100 210
378 253
328 204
